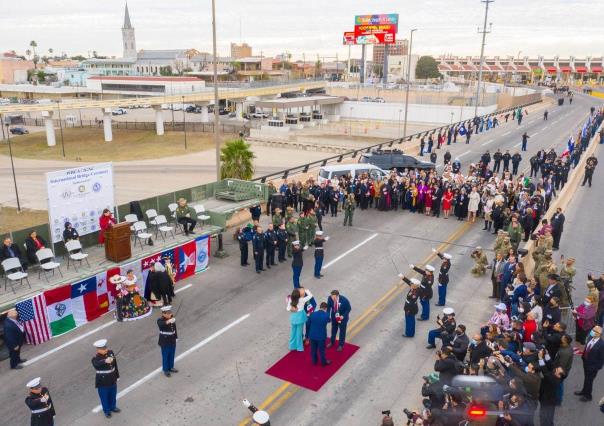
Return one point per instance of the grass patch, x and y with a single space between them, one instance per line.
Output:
11 220
88 144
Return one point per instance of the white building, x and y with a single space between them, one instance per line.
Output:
397 67
144 86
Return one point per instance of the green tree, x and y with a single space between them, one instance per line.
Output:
236 160
78 58
28 53
33 45
41 75
165 71
427 68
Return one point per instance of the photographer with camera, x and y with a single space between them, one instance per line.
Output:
387 420
445 330
447 366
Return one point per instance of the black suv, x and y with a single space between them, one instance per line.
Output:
394 159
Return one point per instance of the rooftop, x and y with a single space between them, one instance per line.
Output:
139 78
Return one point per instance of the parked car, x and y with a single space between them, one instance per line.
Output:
366 99
333 172
119 111
379 100
261 115
19 131
394 160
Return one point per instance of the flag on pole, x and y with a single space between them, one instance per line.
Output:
462 130
58 307
186 260
84 301
203 253
32 313
171 256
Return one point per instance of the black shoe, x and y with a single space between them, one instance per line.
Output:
116 410
22 360
257 272
585 399
173 370
318 276
409 337
421 319
430 346
578 393
263 269
108 415
192 232
438 304
268 267
327 362
17 367
167 373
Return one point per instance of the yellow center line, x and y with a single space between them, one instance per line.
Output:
287 390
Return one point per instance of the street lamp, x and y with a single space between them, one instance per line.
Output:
350 124
184 121
61 127
12 165
216 107
408 80
399 122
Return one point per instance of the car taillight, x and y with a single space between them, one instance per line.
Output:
476 412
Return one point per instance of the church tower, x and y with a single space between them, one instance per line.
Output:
128 37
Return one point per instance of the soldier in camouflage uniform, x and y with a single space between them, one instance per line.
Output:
289 212
567 273
548 240
311 220
277 218
539 253
292 234
481 260
303 229
546 267
349 206
505 247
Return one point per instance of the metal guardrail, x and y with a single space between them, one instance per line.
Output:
304 168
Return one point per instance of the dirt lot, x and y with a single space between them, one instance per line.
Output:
10 219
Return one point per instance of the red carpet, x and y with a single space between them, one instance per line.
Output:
296 367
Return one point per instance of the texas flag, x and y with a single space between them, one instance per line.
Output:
186 260
171 256
84 301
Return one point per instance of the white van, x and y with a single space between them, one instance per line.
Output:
333 172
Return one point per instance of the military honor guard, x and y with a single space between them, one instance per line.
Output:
443 277
167 340
297 262
40 404
446 328
425 289
338 308
319 253
410 307
106 377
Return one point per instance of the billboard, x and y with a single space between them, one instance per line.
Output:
79 196
349 38
376 29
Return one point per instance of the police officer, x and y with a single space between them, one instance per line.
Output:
167 340
410 307
534 165
445 330
443 277
40 404
242 238
270 238
525 138
297 262
425 289
107 373
282 240
516 159
590 166
506 161
258 245
497 161
319 253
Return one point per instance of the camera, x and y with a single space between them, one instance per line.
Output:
386 412
411 415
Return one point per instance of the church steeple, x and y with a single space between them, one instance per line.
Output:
128 37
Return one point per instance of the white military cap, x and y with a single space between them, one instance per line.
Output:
319 233
260 417
478 248
166 308
159 267
430 268
33 383
415 281
448 311
296 243
447 256
102 343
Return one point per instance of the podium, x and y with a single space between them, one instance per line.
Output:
117 242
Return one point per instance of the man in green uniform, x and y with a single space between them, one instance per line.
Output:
277 219
349 206
292 232
311 220
303 229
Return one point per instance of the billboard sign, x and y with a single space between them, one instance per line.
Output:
349 38
376 29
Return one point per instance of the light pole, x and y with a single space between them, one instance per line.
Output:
350 124
399 122
484 33
12 166
408 81
452 117
514 74
61 128
184 121
215 66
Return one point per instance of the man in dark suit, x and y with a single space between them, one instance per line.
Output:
338 308
557 227
14 337
593 360
553 288
9 249
318 334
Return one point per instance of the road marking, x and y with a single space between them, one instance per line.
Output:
83 336
488 142
536 133
518 144
69 343
204 342
465 153
545 128
347 252
507 133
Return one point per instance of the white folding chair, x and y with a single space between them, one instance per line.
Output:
151 215
162 228
13 271
200 210
140 232
75 253
46 259
131 219
172 207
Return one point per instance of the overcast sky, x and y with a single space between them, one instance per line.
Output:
553 27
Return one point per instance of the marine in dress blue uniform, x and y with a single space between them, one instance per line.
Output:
443 277
40 404
318 334
319 252
106 377
338 308
445 325
167 340
297 263
410 307
425 289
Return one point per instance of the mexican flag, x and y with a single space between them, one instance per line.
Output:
84 301
59 308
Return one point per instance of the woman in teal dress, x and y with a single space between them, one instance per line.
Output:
297 317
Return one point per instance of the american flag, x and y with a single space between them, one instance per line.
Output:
32 313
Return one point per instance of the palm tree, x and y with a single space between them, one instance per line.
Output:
33 45
50 50
236 160
28 53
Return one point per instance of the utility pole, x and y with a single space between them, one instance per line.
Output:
216 107
484 33
408 81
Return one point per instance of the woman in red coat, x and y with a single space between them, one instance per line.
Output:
106 221
447 198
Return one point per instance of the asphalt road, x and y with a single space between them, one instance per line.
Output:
233 320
